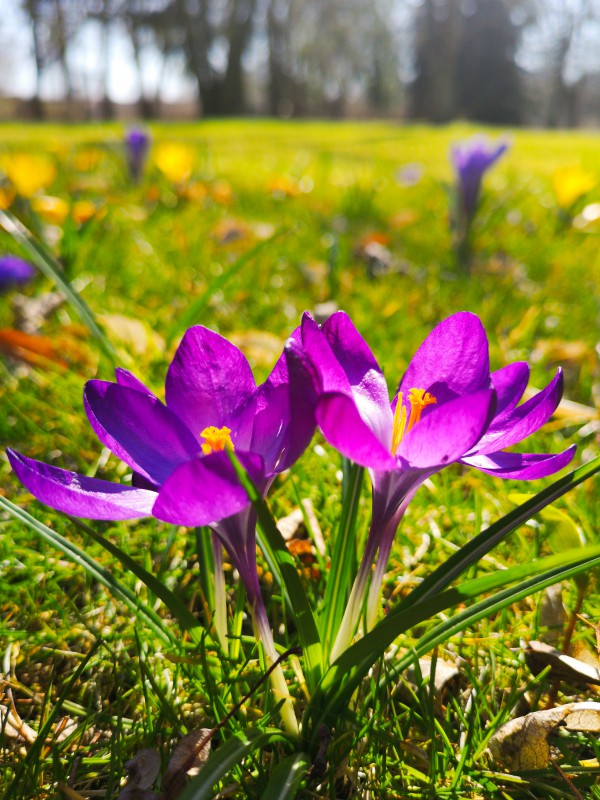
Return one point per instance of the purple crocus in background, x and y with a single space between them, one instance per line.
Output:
176 451
448 408
14 271
471 160
137 144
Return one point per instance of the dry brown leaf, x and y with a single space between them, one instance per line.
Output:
522 743
13 727
143 770
562 667
187 760
553 614
290 525
32 312
445 675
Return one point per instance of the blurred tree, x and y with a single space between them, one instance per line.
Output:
53 23
465 61
563 47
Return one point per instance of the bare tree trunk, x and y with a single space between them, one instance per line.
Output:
37 105
240 30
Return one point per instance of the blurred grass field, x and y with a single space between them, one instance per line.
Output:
308 197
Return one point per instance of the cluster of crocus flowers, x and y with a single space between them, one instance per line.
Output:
448 408
181 472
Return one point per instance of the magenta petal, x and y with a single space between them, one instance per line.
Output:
280 372
210 383
448 431
139 429
521 466
509 382
80 496
368 385
327 368
344 428
523 420
206 490
452 361
285 418
126 378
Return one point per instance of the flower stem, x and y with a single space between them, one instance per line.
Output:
263 634
220 592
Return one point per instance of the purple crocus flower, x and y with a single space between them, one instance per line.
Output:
176 451
14 271
137 143
471 160
448 408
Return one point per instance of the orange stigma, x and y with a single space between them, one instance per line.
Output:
217 439
418 399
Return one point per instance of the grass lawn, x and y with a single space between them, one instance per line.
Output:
274 219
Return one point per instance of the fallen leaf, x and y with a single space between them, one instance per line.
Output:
445 675
187 760
522 743
13 727
142 771
32 312
562 667
553 614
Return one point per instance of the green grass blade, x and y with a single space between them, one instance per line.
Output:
287 778
48 266
343 558
470 554
99 573
280 556
345 674
229 755
33 753
175 605
195 309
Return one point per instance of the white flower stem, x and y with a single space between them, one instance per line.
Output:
263 633
220 618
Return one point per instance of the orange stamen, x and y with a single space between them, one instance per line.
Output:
418 399
217 439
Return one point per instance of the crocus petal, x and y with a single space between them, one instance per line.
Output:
210 383
126 378
139 429
448 431
285 418
452 361
523 420
521 466
327 368
369 388
509 382
80 496
343 427
280 372
206 490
